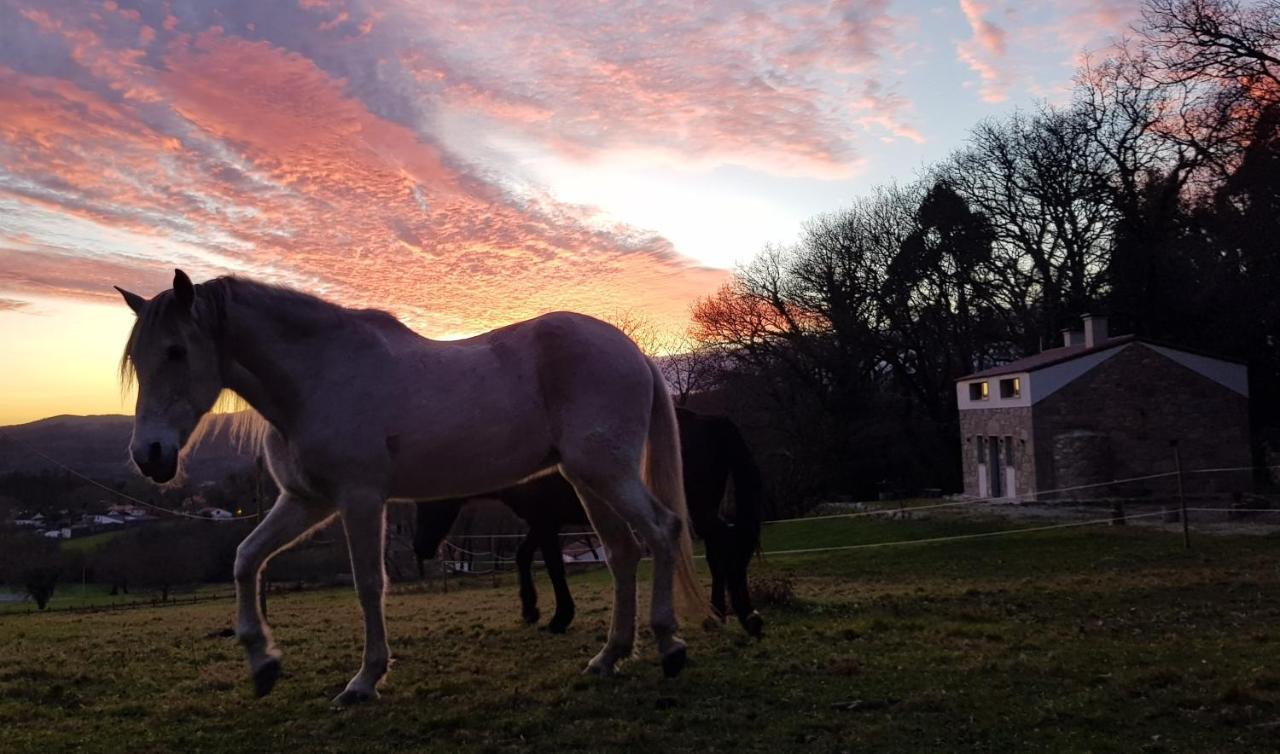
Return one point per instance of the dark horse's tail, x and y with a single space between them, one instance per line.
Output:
748 490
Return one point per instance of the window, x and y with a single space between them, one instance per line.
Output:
1011 388
977 391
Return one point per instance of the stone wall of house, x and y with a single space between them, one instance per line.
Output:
1141 401
1082 458
998 422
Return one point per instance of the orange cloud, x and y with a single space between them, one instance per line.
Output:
300 142
268 166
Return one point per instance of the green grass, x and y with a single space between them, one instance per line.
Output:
76 596
1103 639
91 542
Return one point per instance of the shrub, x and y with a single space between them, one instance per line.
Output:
772 590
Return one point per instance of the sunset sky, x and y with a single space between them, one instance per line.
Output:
462 164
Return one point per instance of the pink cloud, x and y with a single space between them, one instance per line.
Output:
259 157
1036 46
982 51
299 142
764 87
987 34
884 110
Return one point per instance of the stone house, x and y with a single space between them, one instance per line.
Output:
1101 408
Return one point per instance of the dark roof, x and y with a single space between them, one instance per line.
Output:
1067 353
1049 358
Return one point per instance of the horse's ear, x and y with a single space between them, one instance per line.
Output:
183 290
134 301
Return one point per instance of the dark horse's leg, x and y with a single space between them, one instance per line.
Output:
715 547
739 593
554 560
729 551
524 564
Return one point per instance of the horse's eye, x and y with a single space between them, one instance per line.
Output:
176 353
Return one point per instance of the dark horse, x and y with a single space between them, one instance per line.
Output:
712 450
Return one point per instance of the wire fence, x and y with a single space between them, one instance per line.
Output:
455 558
175 600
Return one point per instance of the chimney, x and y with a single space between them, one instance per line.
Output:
1095 330
1072 337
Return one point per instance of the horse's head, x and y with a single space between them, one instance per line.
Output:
175 362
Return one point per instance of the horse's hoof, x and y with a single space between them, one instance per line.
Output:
350 697
265 677
754 624
598 667
673 662
559 625
531 616
710 623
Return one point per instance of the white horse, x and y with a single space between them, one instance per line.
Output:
359 410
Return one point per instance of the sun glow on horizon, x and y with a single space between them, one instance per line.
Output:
61 356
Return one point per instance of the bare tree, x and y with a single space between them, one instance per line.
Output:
640 329
690 368
1219 41
1034 177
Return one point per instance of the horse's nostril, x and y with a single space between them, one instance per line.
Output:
153 453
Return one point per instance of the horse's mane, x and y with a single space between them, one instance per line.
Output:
296 310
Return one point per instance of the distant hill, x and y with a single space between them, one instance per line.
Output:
98 447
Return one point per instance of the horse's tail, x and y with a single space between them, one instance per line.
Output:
664 475
748 490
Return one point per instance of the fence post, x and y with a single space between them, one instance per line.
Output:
1182 500
1117 514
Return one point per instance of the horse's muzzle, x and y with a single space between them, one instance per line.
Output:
156 463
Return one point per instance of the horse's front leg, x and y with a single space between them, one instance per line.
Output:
364 517
288 521
524 566
714 545
553 558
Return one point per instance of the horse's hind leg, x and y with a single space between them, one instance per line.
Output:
740 596
524 567
288 520
632 502
714 545
622 555
364 517
553 557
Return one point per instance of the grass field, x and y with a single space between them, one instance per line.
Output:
84 544
76 596
1100 639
